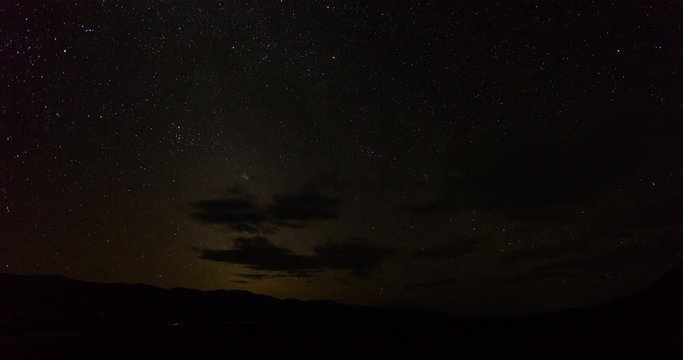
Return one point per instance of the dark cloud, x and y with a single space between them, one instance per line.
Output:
237 191
524 181
259 276
544 252
666 212
360 259
452 250
241 213
304 207
259 253
531 254
556 264
546 177
433 284
646 229
660 213
540 275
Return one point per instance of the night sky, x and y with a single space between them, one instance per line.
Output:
476 158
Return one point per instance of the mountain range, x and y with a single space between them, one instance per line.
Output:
41 316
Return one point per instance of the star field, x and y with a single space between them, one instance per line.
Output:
477 158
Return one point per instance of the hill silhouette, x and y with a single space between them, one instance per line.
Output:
52 316
656 311
40 303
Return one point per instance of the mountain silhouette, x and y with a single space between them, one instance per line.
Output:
55 317
656 309
40 303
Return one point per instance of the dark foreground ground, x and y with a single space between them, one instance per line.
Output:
325 341
49 317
